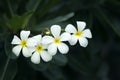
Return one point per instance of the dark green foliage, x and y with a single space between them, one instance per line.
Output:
99 61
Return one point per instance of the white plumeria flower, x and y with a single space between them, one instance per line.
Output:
22 44
56 42
39 50
79 34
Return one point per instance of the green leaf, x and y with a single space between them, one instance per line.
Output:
103 71
77 65
53 21
42 66
14 22
115 24
8 47
60 59
25 17
11 71
43 9
111 20
8 68
19 22
32 5
54 73
89 20
2 24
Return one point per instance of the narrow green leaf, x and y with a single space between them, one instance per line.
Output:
18 22
8 68
103 72
54 73
2 24
11 71
32 5
89 20
51 6
54 21
26 17
42 66
14 23
77 65
113 22
8 47
60 59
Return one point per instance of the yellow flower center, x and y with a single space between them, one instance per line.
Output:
78 33
57 40
23 43
39 48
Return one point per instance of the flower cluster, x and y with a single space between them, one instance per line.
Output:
44 47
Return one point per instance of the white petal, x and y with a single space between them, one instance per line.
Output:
31 42
65 36
37 38
55 30
87 33
15 40
31 49
35 58
24 34
73 40
83 42
81 25
45 46
63 48
16 50
47 39
52 49
70 28
26 52
46 56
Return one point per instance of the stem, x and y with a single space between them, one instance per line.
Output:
10 8
5 68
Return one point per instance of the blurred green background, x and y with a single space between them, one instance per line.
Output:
99 61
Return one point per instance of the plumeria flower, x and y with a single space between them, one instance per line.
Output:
79 34
56 42
39 51
22 44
